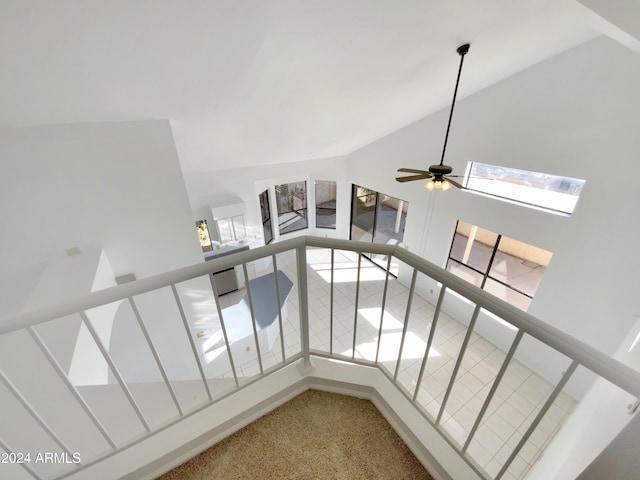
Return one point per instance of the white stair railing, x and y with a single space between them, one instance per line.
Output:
42 402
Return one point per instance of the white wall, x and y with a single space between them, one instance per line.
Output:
573 115
220 187
114 186
597 420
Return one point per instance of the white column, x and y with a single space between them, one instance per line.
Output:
470 240
396 229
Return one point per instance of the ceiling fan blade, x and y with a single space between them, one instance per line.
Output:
470 176
453 182
411 170
411 178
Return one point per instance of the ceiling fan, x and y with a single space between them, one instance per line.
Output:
439 174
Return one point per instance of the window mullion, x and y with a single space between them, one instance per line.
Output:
493 256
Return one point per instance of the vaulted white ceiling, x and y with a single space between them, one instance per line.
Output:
248 82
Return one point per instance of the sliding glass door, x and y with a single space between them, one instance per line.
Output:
363 213
378 218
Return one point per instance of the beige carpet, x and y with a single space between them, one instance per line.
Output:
317 435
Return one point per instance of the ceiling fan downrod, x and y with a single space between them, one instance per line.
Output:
462 51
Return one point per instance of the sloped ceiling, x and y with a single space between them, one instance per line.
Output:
247 82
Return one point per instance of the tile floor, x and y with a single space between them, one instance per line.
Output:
516 402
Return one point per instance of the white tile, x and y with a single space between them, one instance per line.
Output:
488 439
539 438
511 415
518 467
483 374
433 386
529 453
499 426
520 403
512 379
503 392
519 369
493 467
465 417
535 387
457 432
453 404
443 374
479 453
503 454
471 382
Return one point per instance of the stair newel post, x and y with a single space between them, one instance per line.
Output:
303 300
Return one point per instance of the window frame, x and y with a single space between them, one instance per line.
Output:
199 224
486 274
265 211
522 181
301 212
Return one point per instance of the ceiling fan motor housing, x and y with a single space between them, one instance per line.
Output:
440 169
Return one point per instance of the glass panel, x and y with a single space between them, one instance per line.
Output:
239 227
325 204
391 215
465 273
507 294
267 228
292 206
378 218
473 246
363 213
225 230
551 192
519 265
515 271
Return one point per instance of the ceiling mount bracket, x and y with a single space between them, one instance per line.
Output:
463 49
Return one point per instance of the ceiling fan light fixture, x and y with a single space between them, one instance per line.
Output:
437 184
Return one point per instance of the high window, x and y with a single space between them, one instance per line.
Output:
291 199
265 211
551 193
325 204
507 268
